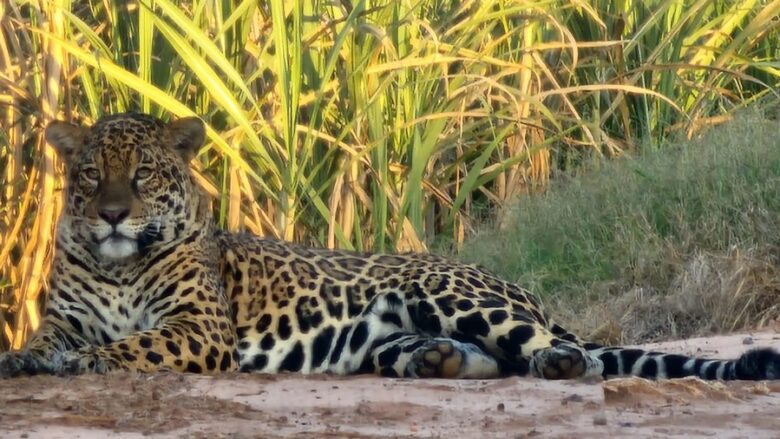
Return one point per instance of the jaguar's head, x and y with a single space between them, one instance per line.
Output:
128 181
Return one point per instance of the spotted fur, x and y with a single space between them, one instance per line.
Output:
142 281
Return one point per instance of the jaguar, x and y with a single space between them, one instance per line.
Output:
142 280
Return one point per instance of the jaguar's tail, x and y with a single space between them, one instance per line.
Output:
756 364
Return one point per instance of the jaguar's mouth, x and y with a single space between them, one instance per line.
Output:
117 246
114 235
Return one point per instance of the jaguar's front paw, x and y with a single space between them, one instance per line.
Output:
21 362
81 361
11 364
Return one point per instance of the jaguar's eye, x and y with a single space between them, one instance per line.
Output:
92 173
143 172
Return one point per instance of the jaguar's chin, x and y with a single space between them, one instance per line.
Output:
117 248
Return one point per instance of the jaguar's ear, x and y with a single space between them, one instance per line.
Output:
67 139
186 136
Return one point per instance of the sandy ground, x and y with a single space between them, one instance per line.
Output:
241 405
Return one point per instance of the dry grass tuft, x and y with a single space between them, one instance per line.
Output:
707 294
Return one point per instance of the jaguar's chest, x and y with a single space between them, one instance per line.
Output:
106 311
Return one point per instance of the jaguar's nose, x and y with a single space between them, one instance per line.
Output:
114 215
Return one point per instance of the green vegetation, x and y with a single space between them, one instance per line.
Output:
644 224
375 124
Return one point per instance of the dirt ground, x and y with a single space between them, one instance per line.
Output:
242 405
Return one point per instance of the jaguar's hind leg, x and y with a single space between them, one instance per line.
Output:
565 361
413 355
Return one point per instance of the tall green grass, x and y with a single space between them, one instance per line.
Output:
370 124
